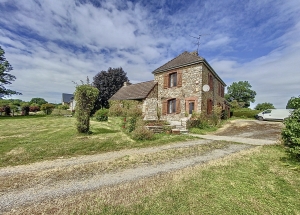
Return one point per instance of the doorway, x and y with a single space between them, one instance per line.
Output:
191 107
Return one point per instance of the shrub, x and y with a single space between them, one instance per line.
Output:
115 109
25 110
34 108
125 108
101 115
245 113
142 133
132 124
291 134
63 107
47 108
7 110
85 97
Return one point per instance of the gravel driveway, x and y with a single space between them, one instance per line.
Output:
21 189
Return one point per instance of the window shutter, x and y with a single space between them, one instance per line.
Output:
178 110
209 106
164 107
166 81
179 78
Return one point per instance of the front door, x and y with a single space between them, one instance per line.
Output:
191 107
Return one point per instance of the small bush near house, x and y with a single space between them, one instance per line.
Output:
132 124
115 110
291 134
142 133
101 115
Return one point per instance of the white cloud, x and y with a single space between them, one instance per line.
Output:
53 43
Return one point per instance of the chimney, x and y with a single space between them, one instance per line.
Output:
194 53
126 83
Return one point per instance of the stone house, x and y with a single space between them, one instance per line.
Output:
68 99
185 84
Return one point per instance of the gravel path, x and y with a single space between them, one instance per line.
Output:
15 197
40 192
256 142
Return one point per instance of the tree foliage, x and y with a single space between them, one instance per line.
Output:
85 97
241 92
5 77
108 83
39 101
293 103
291 133
264 106
47 108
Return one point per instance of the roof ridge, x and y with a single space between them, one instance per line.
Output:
171 60
183 58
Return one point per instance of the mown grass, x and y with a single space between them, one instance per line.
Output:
34 138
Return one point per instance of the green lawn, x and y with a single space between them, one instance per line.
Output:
264 181
32 138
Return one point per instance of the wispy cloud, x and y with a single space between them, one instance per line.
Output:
52 43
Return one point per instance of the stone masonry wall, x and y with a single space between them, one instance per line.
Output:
191 90
212 93
150 105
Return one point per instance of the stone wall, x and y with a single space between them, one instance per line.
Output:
191 90
150 105
212 93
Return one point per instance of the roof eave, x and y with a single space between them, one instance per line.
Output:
189 64
176 67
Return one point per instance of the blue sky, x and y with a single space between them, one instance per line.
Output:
52 43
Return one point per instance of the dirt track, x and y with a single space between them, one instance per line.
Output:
254 129
24 192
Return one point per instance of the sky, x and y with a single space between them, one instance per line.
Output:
52 43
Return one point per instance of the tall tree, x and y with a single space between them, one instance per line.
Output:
39 101
264 106
108 83
5 77
293 103
241 92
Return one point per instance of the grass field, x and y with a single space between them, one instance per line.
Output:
262 180
34 138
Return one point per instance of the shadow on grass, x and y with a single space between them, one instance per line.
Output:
291 161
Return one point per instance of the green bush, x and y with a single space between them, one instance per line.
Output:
291 134
132 124
142 133
47 108
245 113
101 115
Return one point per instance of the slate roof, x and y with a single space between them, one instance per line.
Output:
186 59
134 91
67 97
183 59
